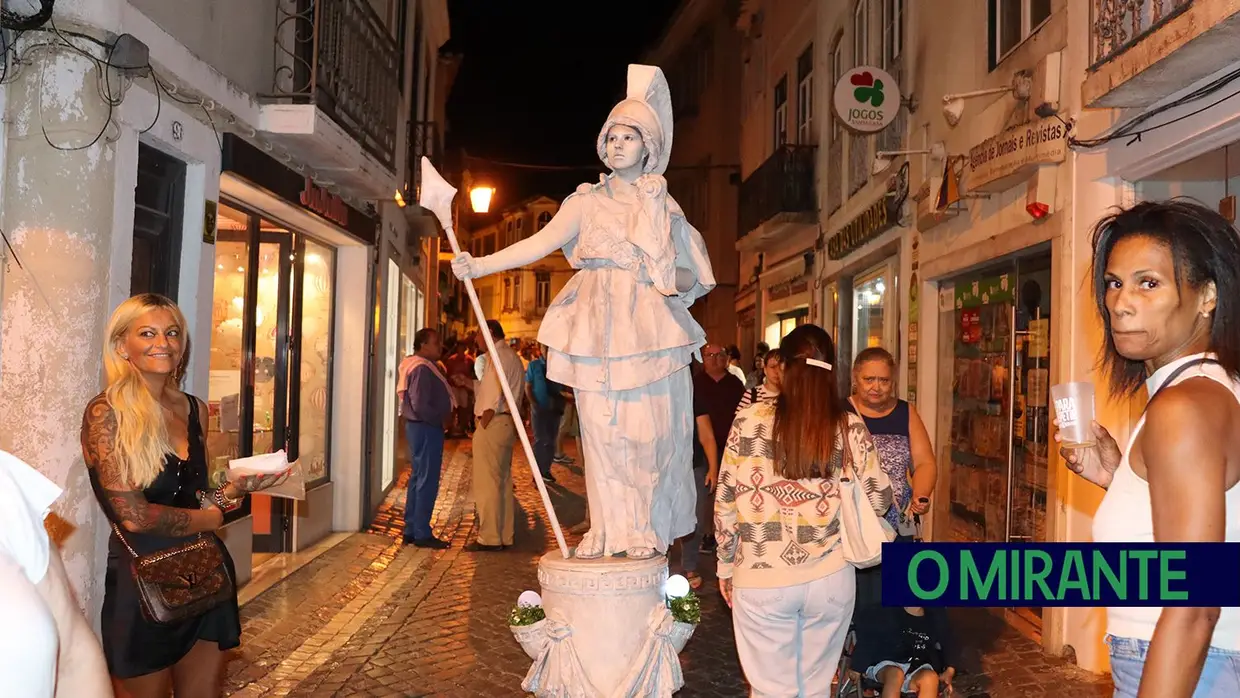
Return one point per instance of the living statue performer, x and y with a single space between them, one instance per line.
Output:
620 333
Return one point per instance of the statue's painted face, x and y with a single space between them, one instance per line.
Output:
625 149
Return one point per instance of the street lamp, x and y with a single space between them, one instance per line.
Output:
480 198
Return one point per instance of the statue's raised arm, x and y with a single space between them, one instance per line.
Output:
558 232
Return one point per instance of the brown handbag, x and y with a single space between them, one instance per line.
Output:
181 582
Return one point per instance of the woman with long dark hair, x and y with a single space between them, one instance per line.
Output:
1166 279
777 508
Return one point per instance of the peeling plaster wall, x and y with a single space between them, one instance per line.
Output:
58 209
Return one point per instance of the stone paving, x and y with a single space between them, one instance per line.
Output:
371 617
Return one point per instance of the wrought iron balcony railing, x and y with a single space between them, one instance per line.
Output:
1118 25
339 56
782 184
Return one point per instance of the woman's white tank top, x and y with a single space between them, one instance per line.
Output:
1125 516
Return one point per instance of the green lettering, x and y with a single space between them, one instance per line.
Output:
1166 575
1143 578
944 575
970 576
1038 577
1073 564
1103 568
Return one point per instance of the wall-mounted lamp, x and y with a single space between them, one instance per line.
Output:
953 104
882 159
480 198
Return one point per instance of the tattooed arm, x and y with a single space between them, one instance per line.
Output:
127 504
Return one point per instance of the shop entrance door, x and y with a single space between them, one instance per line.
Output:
994 402
274 414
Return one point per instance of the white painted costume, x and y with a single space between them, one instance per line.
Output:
621 335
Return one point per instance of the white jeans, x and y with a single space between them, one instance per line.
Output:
789 639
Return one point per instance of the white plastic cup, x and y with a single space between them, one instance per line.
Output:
1074 407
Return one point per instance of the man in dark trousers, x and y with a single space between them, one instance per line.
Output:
719 392
426 406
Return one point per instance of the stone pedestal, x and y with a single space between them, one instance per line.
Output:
607 634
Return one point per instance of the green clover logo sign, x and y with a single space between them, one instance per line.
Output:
868 89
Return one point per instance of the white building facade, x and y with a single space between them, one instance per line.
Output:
185 148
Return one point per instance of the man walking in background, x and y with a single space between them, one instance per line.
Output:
719 392
426 406
493 440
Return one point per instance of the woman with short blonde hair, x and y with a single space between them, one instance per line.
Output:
156 499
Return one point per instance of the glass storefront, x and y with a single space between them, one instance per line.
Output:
994 403
873 299
392 355
270 380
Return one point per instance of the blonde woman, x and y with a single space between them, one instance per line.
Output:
143 442
781 566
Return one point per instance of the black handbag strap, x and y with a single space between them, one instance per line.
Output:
1176 374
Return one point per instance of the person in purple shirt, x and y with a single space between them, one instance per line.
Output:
426 406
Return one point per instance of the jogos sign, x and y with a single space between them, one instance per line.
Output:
867 99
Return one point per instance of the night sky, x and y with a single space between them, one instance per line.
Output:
536 82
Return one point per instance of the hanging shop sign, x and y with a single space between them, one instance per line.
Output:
867 99
938 197
1001 161
880 217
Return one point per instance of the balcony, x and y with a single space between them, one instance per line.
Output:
1143 51
336 87
779 193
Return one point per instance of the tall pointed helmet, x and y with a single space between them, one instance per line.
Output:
647 107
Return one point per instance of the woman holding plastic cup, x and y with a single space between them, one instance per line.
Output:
1166 279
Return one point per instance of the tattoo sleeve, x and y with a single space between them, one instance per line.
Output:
126 504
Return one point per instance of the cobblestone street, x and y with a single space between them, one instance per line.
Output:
370 617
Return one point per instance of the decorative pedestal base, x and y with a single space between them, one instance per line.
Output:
608 632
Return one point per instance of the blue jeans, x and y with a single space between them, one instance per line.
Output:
546 427
426 460
1220 677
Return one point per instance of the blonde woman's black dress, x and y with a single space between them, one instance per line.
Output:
133 645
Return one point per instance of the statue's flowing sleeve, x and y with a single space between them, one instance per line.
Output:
691 254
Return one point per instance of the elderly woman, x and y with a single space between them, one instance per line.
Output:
1166 279
620 333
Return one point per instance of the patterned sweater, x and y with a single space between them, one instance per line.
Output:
773 532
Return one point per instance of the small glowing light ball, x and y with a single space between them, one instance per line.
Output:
675 587
529 598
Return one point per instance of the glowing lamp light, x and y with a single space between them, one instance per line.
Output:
400 199
675 587
480 198
1038 210
528 599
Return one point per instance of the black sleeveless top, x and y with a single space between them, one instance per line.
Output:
133 645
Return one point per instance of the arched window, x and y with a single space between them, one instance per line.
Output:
543 219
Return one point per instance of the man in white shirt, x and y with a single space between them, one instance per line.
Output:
493 442
46 647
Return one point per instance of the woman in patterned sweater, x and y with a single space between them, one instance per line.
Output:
781 568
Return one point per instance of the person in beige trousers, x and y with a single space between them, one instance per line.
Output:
494 502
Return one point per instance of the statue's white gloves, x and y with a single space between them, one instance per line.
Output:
466 266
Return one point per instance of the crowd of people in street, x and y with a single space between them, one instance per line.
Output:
774 446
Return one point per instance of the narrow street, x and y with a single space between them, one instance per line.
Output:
370 617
